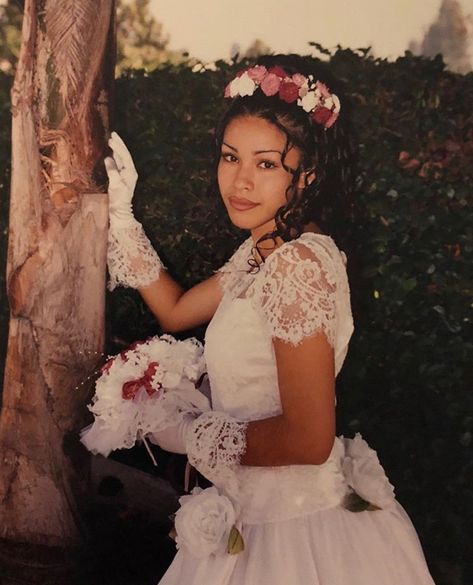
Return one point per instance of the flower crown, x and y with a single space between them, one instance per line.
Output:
311 95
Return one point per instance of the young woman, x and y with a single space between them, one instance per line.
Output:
292 503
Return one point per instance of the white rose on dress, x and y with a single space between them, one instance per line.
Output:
204 521
365 474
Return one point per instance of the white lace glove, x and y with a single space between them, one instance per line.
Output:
131 259
214 442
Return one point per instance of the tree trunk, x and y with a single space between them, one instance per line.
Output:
56 260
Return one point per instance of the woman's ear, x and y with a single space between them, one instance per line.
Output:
306 178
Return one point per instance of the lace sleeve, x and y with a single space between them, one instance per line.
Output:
297 292
131 259
215 444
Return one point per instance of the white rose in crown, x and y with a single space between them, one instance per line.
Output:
205 523
365 474
242 86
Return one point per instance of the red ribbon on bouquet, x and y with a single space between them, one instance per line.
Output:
131 388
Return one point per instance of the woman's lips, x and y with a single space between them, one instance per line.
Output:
241 204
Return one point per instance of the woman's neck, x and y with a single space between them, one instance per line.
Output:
267 246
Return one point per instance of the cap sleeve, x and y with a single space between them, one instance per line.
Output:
297 291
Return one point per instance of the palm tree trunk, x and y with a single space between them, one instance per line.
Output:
56 260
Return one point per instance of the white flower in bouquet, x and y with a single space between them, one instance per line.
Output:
365 474
205 524
144 389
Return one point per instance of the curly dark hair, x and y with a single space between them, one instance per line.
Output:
327 199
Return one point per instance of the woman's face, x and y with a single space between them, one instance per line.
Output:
252 180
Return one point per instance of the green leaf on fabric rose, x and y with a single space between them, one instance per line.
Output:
172 533
355 503
236 544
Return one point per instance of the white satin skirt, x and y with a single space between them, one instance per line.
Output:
333 546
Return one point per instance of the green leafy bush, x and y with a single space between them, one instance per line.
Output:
406 384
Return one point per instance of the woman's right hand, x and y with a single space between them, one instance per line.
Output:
122 178
133 262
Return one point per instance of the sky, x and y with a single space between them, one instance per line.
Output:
209 28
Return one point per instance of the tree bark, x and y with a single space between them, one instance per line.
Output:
56 260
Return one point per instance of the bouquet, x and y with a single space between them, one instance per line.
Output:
145 389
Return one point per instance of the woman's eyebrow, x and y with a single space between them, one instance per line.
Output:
268 150
256 151
230 146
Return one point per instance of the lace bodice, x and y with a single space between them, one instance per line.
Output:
300 290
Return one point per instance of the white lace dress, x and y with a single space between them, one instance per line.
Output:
295 527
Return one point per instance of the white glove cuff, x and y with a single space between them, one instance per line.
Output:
131 259
216 442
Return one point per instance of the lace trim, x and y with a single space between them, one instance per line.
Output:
215 445
131 259
297 290
236 267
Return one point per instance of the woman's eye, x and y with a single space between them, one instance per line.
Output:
228 157
267 164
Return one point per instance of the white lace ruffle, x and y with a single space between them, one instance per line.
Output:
215 444
131 259
297 292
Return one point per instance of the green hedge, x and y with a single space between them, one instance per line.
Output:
406 384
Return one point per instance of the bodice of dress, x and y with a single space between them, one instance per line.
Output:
300 290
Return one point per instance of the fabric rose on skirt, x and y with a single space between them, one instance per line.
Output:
205 522
365 474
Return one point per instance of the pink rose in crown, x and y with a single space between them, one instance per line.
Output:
323 89
279 71
321 115
331 121
298 79
257 73
289 91
303 91
270 84
227 93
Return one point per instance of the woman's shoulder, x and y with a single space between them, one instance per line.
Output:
302 287
238 260
234 269
308 248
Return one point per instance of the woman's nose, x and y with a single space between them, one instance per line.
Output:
244 178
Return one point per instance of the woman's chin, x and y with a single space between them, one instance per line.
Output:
239 221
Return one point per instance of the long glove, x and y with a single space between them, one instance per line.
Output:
173 438
131 259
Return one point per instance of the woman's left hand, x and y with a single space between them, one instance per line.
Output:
173 438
